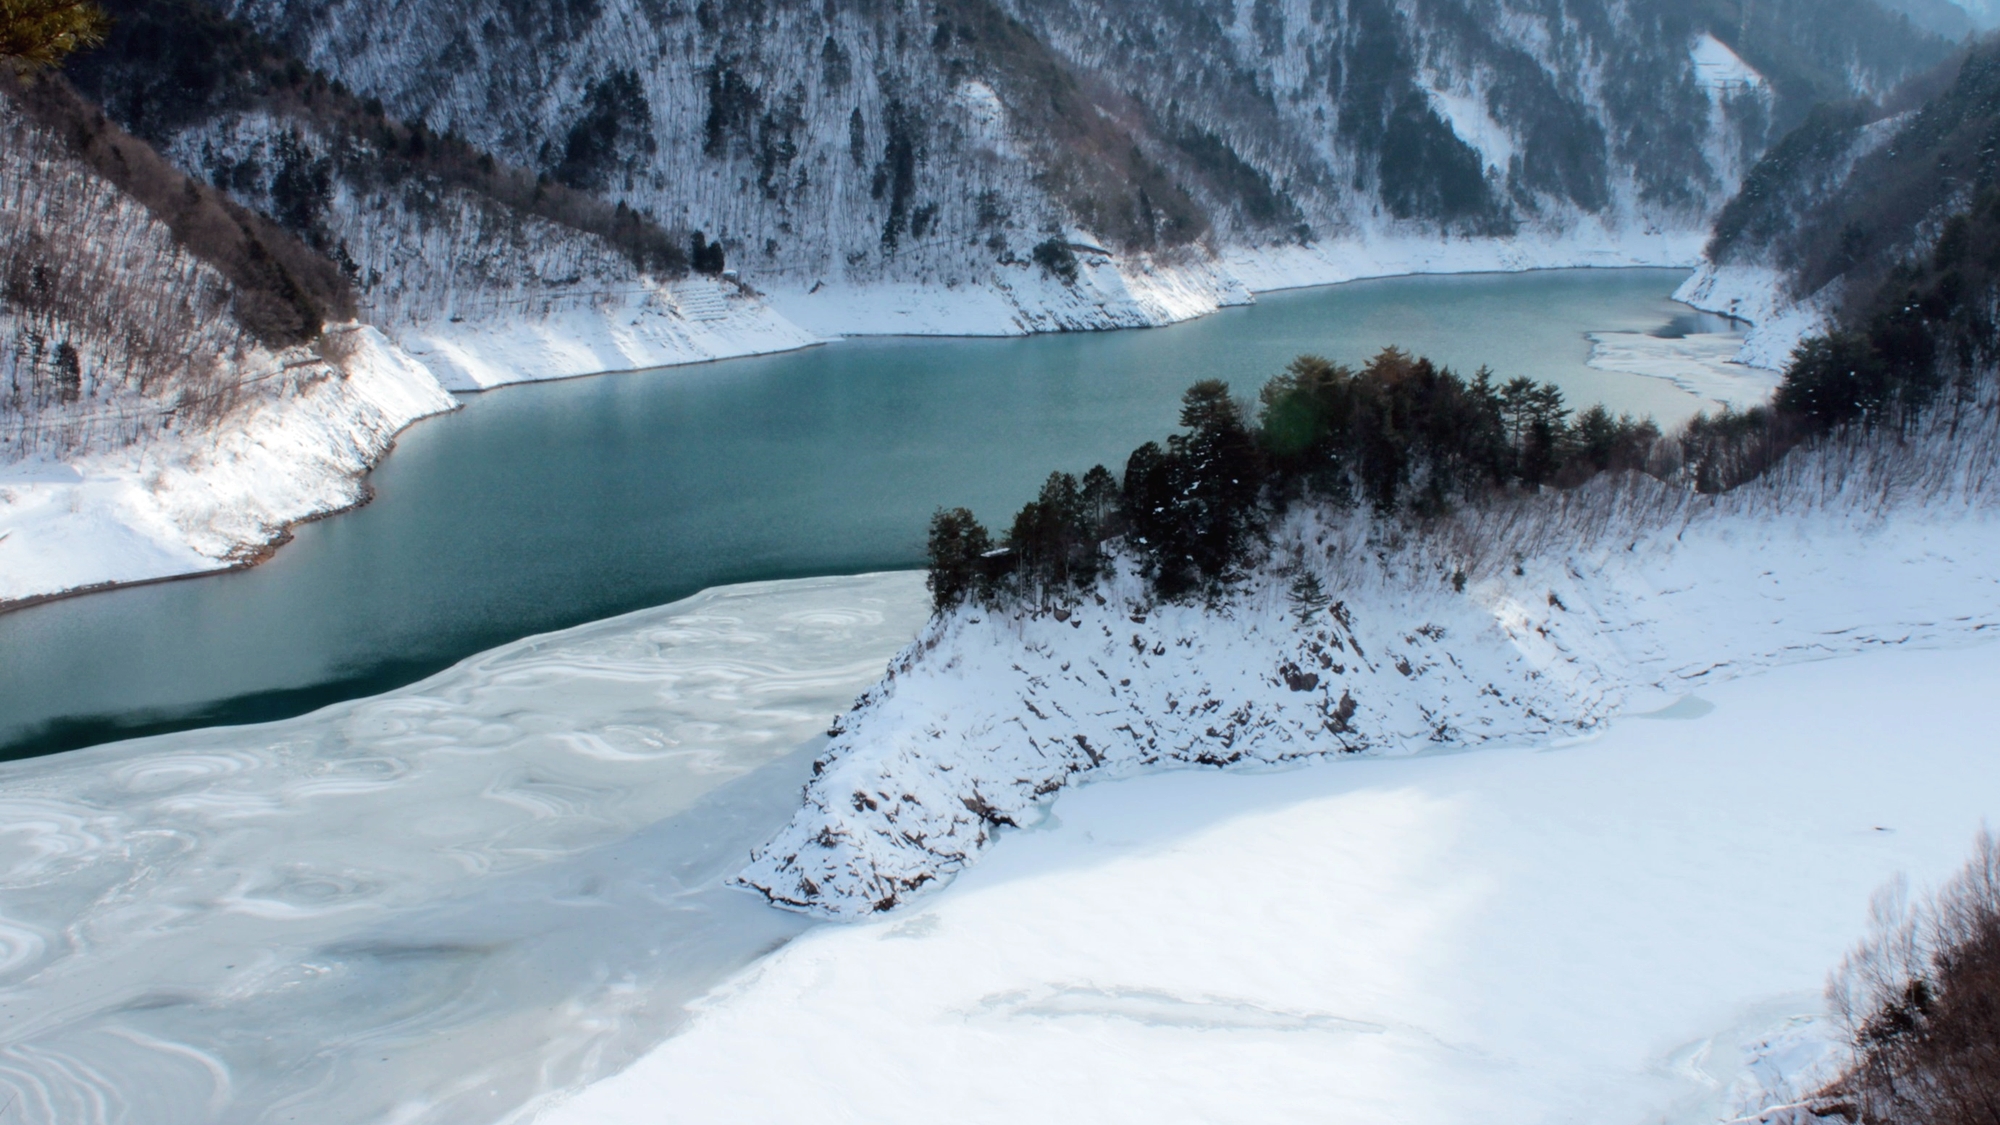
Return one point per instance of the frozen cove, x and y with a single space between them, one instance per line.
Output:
1629 928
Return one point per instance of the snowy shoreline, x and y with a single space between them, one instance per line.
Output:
141 515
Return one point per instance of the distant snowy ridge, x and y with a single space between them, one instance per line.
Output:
1619 596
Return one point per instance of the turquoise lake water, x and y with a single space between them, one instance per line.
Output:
541 506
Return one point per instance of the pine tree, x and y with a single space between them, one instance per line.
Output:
1308 596
35 34
958 547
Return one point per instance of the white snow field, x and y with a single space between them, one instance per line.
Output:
429 906
1632 928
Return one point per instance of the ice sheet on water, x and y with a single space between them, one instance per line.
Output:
431 905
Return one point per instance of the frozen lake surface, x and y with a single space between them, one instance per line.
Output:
433 905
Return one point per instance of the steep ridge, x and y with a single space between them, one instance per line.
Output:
1844 214
982 147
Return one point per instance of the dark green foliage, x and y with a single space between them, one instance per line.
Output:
1054 539
777 143
1426 171
958 548
613 134
836 66
896 173
1307 596
733 105
1191 508
1232 177
1929 322
705 256
301 186
1400 430
1834 379
1401 434
1056 259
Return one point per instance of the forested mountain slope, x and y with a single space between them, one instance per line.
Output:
169 399
885 142
1867 217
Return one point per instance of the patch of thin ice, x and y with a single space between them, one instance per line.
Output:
1701 363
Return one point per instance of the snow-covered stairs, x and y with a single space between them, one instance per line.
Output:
700 300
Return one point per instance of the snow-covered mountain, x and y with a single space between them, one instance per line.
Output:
981 144
1851 196
508 191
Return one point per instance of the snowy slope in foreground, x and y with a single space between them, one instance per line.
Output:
184 503
1631 928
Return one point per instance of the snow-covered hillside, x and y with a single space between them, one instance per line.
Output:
1527 621
144 431
869 150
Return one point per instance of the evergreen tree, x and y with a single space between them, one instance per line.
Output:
958 547
35 34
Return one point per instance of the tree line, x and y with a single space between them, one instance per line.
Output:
1400 433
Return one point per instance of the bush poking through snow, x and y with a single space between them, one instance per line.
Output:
1921 999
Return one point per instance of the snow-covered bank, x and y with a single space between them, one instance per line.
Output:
645 325
1293 266
429 906
1524 621
1759 294
187 502
1021 298
1633 927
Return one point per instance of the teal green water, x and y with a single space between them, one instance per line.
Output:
545 505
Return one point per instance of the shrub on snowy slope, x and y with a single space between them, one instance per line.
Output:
1921 1002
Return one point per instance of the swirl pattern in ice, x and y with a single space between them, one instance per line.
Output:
434 905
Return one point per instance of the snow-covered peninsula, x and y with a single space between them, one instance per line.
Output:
1526 621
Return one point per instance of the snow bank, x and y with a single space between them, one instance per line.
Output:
187 502
1571 610
647 325
1759 294
1631 927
